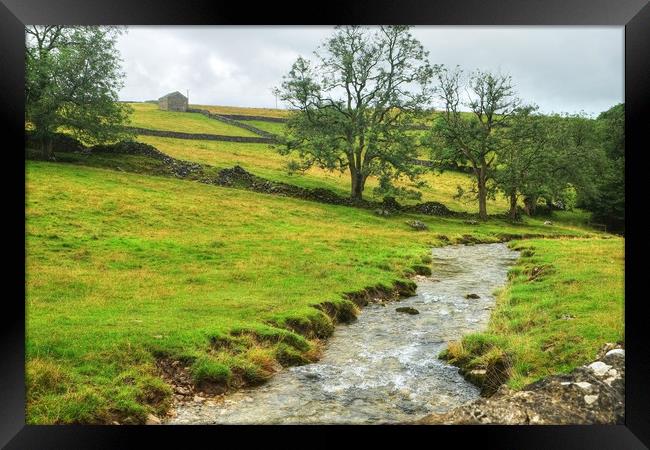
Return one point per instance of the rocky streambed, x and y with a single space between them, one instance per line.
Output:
383 368
591 394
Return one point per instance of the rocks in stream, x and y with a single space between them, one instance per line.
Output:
407 310
476 376
152 420
590 394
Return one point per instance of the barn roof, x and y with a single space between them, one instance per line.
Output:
173 94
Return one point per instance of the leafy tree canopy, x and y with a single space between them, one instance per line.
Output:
355 104
73 76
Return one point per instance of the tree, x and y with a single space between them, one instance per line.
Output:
525 159
473 138
607 200
547 157
353 106
72 80
575 156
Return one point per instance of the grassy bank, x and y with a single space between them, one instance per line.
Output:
564 300
125 268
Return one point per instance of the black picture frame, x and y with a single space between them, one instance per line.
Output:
633 14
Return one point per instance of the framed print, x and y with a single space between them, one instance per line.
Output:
381 219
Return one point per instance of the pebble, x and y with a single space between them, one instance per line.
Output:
589 399
616 351
583 385
599 368
152 420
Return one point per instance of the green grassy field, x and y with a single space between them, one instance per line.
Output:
125 269
272 127
268 112
565 300
147 115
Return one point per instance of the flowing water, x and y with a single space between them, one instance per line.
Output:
383 368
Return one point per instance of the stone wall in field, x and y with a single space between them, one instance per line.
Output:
225 119
260 118
235 176
202 136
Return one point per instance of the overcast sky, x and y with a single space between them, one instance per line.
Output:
562 69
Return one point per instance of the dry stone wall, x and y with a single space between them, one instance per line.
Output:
260 118
203 136
235 123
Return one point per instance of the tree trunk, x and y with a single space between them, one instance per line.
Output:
530 204
513 206
46 148
482 195
358 183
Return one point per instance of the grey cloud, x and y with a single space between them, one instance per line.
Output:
559 68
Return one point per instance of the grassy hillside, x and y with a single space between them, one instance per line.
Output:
271 127
269 112
123 268
265 161
147 115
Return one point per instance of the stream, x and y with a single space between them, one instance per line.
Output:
384 367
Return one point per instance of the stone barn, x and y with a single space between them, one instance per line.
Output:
174 101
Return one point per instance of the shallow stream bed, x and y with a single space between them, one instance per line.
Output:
383 368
